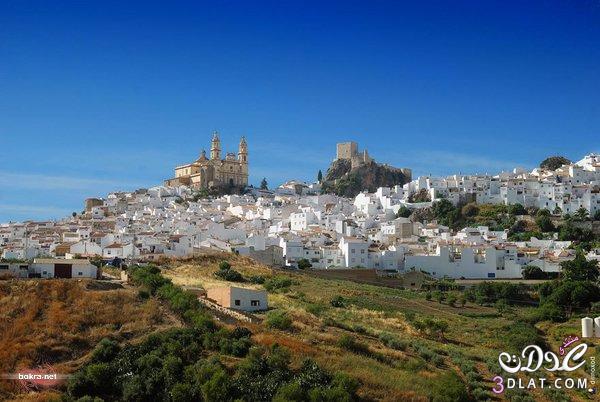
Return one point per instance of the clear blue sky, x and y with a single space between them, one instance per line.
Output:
101 96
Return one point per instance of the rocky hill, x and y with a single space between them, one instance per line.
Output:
346 180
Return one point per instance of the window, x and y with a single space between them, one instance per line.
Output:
353 251
3 266
80 273
45 272
237 302
362 251
255 303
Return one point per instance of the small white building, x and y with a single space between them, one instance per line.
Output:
239 298
62 268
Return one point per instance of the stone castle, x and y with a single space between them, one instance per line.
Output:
230 173
349 151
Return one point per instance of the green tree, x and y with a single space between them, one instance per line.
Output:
580 269
554 162
303 263
581 214
320 176
403 212
533 272
544 223
470 210
263 184
517 209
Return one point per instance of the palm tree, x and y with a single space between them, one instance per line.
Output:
582 214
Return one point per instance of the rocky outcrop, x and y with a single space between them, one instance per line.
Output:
345 180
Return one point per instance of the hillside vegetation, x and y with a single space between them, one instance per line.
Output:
439 345
323 339
58 322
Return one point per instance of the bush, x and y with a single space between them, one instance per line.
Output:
278 283
230 275
350 343
451 300
278 320
338 301
105 350
315 308
391 341
303 263
143 294
521 334
403 212
226 273
257 279
533 272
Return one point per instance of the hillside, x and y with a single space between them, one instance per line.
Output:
375 334
344 180
391 344
58 322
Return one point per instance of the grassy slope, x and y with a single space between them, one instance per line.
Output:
58 322
399 375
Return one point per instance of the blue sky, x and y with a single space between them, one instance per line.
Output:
101 96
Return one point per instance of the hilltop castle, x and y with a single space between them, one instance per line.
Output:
349 151
215 173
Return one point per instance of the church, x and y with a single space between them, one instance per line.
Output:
230 173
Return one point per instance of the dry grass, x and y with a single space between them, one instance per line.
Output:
58 322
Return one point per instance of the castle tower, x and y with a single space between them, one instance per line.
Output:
215 147
243 151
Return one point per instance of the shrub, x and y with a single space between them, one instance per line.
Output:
350 343
226 273
105 350
257 279
431 326
437 360
338 301
533 272
278 320
315 308
277 283
303 263
403 212
451 300
391 341
521 334
143 294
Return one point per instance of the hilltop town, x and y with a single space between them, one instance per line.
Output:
460 226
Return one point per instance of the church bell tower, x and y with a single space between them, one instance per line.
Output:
243 151
215 147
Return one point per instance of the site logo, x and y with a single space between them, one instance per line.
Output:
36 378
533 359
